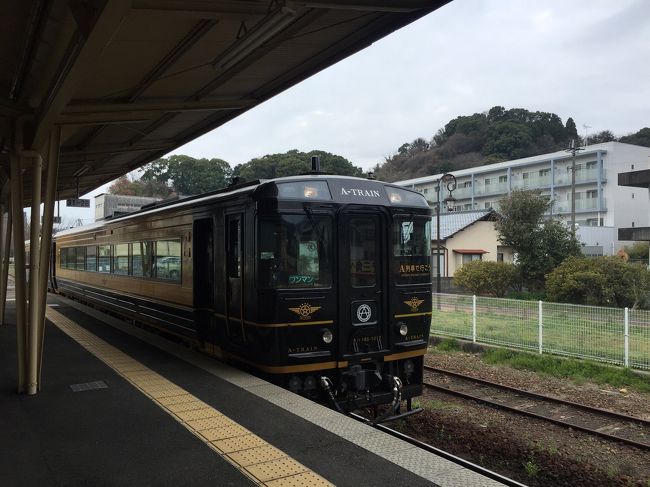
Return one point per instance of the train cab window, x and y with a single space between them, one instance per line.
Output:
141 259
91 258
412 249
168 260
104 258
81 259
121 259
363 250
295 251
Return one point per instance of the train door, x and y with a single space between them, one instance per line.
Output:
362 283
234 277
203 280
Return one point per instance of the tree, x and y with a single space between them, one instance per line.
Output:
293 163
509 140
139 187
600 137
540 245
642 137
638 252
486 277
571 130
603 281
187 175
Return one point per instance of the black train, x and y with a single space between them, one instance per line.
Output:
320 283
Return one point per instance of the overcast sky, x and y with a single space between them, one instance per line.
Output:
589 60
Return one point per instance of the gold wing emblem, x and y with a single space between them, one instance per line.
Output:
414 303
305 310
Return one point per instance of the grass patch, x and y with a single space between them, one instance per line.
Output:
576 370
436 405
448 345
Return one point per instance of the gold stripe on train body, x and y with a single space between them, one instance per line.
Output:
420 352
276 325
408 315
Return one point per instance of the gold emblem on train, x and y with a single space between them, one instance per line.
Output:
305 310
414 303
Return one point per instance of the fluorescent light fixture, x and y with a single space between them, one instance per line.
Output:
81 171
261 33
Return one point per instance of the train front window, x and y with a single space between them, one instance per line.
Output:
295 251
412 249
363 252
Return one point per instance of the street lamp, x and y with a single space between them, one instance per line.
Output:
450 181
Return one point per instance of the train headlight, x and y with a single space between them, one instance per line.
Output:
394 197
403 329
327 336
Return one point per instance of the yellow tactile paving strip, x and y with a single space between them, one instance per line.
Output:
261 462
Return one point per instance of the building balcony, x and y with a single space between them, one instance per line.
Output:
489 189
589 204
582 176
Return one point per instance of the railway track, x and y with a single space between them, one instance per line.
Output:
441 453
599 422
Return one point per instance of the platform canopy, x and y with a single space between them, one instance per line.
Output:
130 80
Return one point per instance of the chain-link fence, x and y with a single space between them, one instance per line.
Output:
619 336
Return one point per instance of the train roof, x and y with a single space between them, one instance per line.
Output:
363 189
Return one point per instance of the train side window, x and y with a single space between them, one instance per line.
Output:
168 260
142 257
121 259
91 258
104 259
63 260
81 258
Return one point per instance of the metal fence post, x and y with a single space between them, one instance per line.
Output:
474 318
540 323
626 331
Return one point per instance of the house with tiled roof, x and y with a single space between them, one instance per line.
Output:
466 236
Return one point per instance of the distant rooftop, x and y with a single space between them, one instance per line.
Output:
454 221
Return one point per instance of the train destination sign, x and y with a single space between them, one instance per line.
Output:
77 203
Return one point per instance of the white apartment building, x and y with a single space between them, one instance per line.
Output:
599 200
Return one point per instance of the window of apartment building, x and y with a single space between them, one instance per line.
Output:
524 175
633 167
632 224
503 179
425 190
467 206
467 184
487 181
544 172
592 222
499 256
592 193
488 205
590 165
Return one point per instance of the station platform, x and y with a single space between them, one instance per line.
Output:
122 406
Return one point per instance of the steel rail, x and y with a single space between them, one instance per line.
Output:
541 397
441 453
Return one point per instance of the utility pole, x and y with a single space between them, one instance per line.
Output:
573 150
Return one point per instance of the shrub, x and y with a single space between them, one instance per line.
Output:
486 278
604 281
